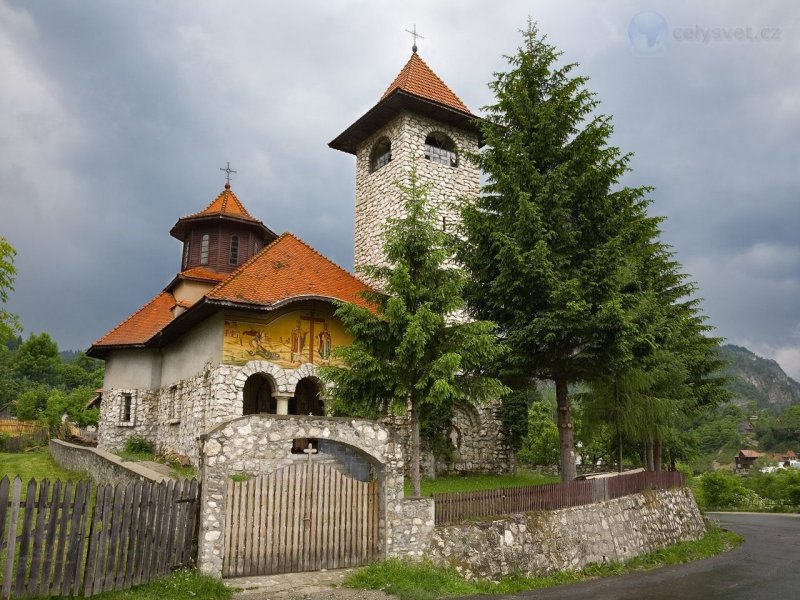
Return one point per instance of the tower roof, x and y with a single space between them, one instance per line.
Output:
226 206
417 89
418 79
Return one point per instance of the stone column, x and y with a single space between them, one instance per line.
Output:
283 402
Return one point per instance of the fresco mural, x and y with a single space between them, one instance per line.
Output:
292 339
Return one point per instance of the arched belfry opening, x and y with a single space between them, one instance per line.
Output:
258 395
307 398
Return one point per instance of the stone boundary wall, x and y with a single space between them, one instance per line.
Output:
260 444
538 543
104 467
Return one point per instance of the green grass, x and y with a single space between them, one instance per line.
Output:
181 584
38 464
477 482
424 581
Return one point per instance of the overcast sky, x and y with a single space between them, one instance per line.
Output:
115 118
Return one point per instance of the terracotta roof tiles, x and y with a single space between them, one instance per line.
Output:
203 273
288 268
141 325
417 78
225 204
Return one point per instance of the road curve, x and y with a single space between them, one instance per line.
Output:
766 566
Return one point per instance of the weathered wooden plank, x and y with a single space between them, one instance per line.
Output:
61 541
337 524
5 484
121 560
154 568
93 553
247 545
228 529
103 540
142 532
302 495
38 539
74 539
169 534
48 551
133 534
24 538
11 542
316 510
269 509
261 494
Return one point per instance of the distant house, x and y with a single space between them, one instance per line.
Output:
746 428
745 459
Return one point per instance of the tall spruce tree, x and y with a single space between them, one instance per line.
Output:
547 244
413 351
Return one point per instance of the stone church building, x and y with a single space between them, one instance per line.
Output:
248 319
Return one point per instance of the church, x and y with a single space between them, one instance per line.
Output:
249 318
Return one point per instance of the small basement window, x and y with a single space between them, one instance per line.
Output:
204 249
234 256
439 148
381 154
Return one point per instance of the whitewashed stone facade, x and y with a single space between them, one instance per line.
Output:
174 416
377 194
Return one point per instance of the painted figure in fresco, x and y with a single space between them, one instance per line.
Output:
298 342
324 343
258 345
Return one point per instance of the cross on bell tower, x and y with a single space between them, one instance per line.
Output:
415 35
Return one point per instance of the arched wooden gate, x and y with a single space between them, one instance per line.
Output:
303 517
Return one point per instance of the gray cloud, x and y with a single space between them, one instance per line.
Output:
114 118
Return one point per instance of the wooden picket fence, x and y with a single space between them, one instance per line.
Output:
60 540
458 506
22 434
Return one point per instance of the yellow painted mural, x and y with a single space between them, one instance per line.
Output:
292 339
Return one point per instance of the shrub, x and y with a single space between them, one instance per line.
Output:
137 444
720 490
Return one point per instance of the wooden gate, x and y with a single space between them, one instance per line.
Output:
300 518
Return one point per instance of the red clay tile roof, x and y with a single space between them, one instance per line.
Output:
203 273
750 453
417 78
141 325
288 268
225 204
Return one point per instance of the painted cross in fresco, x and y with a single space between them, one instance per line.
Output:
311 320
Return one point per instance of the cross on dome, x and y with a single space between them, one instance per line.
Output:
228 172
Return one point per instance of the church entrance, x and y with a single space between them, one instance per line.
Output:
303 517
258 396
307 400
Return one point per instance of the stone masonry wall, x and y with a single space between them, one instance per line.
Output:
476 438
539 543
377 195
261 444
103 467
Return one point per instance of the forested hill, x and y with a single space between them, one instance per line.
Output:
759 380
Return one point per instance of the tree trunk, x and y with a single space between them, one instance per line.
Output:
648 453
657 454
565 432
416 490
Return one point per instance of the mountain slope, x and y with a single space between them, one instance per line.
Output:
759 380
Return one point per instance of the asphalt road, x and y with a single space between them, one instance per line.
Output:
765 566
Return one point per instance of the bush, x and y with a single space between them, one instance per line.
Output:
137 444
720 490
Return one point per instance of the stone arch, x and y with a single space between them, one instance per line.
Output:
440 148
308 397
258 394
381 154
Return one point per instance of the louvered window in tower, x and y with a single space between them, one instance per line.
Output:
440 149
204 249
234 258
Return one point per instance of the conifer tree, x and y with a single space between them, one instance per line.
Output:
546 243
412 351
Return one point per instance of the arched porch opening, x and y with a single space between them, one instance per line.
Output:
258 395
307 399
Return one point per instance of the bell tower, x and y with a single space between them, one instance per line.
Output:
418 120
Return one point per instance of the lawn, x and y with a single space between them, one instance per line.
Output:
38 464
476 482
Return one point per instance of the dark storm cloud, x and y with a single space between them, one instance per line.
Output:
115 117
